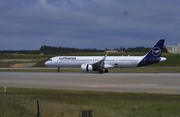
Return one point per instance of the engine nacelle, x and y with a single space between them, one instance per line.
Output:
86 67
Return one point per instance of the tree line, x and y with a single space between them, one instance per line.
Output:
66 50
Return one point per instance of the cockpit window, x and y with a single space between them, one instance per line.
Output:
50 59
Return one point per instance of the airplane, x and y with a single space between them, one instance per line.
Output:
101 64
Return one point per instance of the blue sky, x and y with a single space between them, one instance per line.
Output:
29 24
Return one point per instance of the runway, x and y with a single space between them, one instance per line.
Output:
167 83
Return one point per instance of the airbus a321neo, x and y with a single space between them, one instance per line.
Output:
103 63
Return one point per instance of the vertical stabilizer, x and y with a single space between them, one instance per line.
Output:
156 51
154 55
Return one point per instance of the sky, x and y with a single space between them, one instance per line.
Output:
29 24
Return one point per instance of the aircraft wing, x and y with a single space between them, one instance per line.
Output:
100 64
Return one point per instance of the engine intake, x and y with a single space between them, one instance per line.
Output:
86 67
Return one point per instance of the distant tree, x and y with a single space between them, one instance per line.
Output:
122 49
146 49
135 49
64 50
165 50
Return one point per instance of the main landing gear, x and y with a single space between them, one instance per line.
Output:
105 71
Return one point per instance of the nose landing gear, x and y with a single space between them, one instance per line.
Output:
58 69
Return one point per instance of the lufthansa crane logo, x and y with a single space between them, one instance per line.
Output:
156 51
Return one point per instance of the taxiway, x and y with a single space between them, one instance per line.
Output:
168 83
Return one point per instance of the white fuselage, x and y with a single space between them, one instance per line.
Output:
110 62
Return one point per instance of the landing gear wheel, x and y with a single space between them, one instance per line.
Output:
58 70
101 71
106 71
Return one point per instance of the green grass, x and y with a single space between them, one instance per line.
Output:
66 103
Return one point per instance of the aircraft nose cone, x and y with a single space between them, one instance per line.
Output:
46 63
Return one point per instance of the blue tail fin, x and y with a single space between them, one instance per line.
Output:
156 51
153 56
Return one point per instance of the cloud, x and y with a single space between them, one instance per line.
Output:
87 23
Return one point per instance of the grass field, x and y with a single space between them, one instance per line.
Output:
19 102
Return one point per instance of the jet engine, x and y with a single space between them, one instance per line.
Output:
86 67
